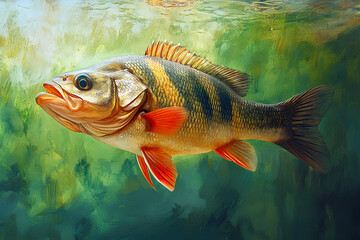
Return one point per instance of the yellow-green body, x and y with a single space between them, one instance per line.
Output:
172 102
217 115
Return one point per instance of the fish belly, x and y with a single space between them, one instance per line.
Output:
199 136
191 139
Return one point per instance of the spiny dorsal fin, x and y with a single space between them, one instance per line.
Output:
238 81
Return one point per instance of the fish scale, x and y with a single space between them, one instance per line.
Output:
173 102
248 115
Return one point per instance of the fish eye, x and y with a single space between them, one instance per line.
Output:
83 81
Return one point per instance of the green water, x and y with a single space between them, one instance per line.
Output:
57 184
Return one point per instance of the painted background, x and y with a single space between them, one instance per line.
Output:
57 184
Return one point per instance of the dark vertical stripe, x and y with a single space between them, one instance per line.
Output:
225 103
179 77
189 86
201 95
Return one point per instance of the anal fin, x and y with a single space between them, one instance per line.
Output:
161 166
240 152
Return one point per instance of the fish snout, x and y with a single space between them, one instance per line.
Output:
60 79
53 88
52 93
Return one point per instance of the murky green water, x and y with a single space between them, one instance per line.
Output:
57 184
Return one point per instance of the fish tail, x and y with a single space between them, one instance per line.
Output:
305 112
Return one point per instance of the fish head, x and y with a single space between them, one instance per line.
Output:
82 98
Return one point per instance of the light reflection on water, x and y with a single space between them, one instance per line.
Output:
52 29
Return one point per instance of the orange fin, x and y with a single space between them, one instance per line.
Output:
144 169
240 152
161 166
236 80
165 121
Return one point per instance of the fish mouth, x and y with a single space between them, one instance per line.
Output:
59 105
53 92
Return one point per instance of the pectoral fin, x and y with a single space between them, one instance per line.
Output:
160 165
240 152
166 121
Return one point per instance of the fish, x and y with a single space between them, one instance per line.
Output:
172 102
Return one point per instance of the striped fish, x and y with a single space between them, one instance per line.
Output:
172 102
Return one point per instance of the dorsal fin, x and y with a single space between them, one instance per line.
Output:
237 81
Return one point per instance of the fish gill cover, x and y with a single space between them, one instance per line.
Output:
57 184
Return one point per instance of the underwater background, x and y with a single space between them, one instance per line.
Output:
58 184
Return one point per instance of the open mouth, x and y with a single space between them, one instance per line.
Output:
56 94
52 90
55 101
52 93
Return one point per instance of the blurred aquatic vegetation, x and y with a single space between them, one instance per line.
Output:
58 184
